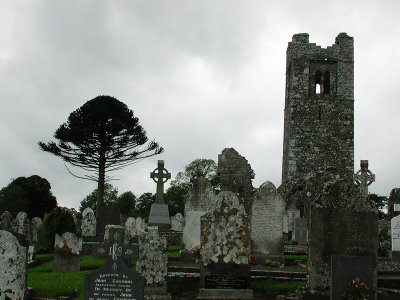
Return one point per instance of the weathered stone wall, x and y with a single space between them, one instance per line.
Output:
236 175
319 127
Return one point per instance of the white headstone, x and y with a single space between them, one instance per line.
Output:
395 226
68 242
198 202
36 225
267 213
177 222
140 225
13 260
31 252
130 226
88 226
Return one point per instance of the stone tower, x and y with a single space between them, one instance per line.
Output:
319 110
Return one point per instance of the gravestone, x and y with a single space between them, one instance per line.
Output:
114 280
107 215
67 249
395 234
394 198
152 263
347 268
13 261
5 221
292 214
130 227
36 225
198 201
236 175
159 213
363 178
21 224
267 214
88 227
31 253
177 222
301 231
342 222
140 225
225 250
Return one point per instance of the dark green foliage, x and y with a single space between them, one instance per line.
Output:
174 198
30 194
199 167
110 198
145 201
101 136
381 203
58 221
136 212
126 202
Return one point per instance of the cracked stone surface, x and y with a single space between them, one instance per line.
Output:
13 260
68 242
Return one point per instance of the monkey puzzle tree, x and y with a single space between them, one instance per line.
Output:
101 136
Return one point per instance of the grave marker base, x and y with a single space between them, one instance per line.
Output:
225 294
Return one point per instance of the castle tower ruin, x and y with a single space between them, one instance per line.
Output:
319 110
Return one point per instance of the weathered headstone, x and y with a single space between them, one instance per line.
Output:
114 280
152 263
36 225
107 215
177 222
5 221
21 224
348 268
342 223
13 260
198 202
394 199
267 213
236 175
140 225
67 249
130 227
159 213
225 250
395 233
88 226
301 231
363 178
31 253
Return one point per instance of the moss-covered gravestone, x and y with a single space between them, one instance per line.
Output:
225 251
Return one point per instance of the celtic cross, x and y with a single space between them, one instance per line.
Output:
363 178
160 176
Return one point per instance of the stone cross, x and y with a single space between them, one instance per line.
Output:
363 178
160 176
115 250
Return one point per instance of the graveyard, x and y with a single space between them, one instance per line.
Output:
318 235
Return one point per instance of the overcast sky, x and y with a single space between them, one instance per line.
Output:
200 76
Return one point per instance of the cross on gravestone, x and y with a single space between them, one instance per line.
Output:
363 178
160 176
114 280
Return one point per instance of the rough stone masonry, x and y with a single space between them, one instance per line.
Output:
319 111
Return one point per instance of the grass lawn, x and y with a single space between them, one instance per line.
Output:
52 284
274 286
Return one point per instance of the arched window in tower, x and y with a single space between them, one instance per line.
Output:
317 82
327 83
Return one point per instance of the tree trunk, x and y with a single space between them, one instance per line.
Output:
100 183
